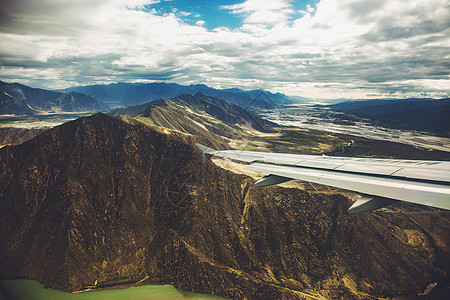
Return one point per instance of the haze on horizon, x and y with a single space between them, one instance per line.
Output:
311 48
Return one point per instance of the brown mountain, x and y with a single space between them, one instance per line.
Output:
199 104
216 121
105 201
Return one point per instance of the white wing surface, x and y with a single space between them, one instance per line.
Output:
381 182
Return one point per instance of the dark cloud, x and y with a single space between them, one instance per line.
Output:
54 18
305 55
364 11
363 47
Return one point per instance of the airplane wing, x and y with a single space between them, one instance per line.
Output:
381 182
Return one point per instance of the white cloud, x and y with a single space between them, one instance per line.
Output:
262 12
200 23
184 13
310 9
347 48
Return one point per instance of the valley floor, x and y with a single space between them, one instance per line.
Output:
40 121
317 118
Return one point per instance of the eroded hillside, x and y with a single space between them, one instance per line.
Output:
102 201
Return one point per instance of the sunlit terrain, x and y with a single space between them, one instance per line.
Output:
42 121
308 116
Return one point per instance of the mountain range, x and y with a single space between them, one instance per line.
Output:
126 94
18 99
103 201
177 114
198 118
207 120
419 114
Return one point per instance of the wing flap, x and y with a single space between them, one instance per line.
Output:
424 173
368 168
319 164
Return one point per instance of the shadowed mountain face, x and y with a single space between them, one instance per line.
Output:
111 201
22 100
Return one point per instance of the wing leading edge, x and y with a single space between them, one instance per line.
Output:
381 182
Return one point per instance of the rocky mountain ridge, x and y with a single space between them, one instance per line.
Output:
198 115
98 202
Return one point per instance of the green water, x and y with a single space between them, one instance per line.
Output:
23 289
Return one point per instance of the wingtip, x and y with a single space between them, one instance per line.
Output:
205 149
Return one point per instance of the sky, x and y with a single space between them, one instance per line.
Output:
319 49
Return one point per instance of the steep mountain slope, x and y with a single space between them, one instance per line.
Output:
205 119
419 114
22 100
125 94
203 106
102 201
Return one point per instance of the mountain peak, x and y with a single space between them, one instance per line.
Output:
199 94
23 100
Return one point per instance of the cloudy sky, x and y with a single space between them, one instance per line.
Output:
313 48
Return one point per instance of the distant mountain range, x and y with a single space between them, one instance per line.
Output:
125 94
18 99
414 113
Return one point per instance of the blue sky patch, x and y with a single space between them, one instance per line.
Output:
212 13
